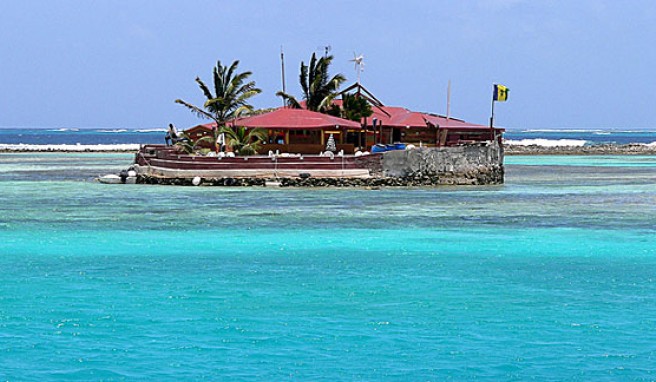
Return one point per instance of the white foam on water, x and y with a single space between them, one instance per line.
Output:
77 147
113 131
602 131
64 129
148 130
545 142
560 131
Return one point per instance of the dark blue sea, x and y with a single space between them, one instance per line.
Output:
65 136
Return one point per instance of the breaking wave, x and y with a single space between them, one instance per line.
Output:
546 142
113 131
560 131
149 130
63 129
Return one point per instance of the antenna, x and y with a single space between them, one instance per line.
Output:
358 62
282 67
326 49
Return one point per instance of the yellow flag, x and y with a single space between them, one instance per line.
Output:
500 93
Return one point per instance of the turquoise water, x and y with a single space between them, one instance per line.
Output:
551 276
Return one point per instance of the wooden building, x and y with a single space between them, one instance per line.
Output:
306 132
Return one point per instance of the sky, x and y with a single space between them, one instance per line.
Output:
121 64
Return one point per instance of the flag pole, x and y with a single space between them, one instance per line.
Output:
492 116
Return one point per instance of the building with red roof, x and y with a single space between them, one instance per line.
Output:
305 131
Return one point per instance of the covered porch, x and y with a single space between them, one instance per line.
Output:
302 131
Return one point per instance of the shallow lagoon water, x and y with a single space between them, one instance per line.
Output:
548 277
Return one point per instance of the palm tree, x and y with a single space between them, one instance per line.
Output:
230 98
355 108
244 141
318 90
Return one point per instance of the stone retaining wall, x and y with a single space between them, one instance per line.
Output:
469 164
480 164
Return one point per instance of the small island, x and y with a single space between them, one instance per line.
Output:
331 137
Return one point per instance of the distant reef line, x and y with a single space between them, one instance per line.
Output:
602 149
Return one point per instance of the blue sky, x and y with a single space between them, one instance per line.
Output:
584 64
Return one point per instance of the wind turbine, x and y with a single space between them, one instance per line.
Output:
358 62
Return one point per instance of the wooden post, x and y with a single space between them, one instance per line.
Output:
363 136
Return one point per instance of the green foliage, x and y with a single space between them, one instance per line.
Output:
335 111
244 141
355 108
318 89
186 145
260 111
230 97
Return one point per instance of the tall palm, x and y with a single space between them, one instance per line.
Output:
318 89
230 97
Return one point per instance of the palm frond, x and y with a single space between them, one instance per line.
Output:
248 88
233 67
238 80
231 93
195 109
290 100
303 78
336 82
208 138
326 102
204 88
243 97
214 103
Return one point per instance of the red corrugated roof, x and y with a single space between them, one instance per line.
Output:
394 116
294 119
389 116
453 123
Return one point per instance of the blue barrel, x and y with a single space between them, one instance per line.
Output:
378 148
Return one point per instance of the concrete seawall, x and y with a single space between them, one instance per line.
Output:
469 164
